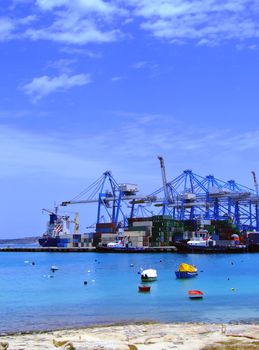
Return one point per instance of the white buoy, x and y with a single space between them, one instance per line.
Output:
54 268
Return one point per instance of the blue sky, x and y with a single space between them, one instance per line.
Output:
92 85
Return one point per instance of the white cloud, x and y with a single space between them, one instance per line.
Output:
7 28
80 51
71 29
45 85
206 22
96 6
63 65
79 22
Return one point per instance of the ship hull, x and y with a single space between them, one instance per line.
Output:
185 248
49 241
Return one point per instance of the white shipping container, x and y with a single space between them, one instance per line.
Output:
142 223
136 233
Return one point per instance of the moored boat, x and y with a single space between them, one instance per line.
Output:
186 271
144 289
149 275
185 248
195 294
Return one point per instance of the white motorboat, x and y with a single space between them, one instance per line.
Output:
149 275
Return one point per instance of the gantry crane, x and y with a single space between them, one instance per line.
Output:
110 197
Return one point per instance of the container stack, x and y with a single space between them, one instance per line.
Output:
225 229
103 229
162 230
75 241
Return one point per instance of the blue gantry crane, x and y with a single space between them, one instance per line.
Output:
187 197
190 196
113 199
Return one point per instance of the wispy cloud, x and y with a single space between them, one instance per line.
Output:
80 22
63 65
7 27
80 51
151 67
140 65
24 152
73 30
205 22
45 85
117 78
140 139
94 6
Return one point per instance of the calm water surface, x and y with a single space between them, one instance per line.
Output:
30 299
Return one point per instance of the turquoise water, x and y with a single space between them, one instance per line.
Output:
30 299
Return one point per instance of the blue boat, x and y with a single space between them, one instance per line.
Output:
185 274
186 271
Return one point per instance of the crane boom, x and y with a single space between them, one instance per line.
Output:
110 199
166 192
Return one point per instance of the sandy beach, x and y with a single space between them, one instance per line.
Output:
192 336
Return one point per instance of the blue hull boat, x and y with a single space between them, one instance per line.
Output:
185 274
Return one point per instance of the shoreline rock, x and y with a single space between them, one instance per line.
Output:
155 336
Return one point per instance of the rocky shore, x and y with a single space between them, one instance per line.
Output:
191 336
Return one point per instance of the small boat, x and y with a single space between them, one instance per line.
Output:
195 294
186 271
149 275
144 289
115 245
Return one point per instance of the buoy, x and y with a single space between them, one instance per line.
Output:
54 268
232 289
131 265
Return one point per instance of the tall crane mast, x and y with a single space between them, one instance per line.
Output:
165 186
255 182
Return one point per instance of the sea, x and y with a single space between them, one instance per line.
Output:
102 288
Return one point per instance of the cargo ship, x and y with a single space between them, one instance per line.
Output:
57 226
58 232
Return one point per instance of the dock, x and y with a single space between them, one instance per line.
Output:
48 250
165 249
